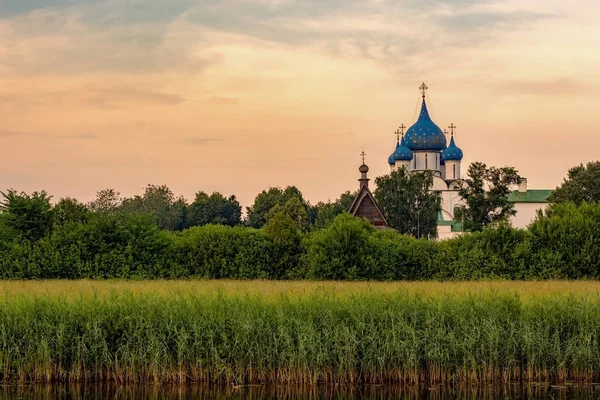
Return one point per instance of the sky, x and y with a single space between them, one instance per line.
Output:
236 96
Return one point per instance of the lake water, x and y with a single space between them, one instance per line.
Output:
97 392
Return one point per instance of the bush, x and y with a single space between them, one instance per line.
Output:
565 243
215 252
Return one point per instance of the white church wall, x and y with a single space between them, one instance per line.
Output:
452 169
526 212
426 160
450 200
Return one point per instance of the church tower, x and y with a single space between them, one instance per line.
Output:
402 156
364 205
426 140
452 156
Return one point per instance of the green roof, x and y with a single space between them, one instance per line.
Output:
455 226
530 196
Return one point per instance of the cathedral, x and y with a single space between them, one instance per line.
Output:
425 147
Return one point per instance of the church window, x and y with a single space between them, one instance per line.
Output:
425 161
454 171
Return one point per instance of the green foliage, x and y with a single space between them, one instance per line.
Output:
239 339
38 241
216 252
500 252
566 242
70 210
325 213
581 185
287 240
258 213
29 217
214 209
170 212
107 200
407 202
343 250
486 195
295 209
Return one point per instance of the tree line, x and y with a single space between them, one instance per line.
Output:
159 235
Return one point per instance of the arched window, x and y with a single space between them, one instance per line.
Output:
454 170
425 160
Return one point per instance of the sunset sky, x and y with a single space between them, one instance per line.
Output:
237 96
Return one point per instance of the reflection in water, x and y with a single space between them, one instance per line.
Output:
97 392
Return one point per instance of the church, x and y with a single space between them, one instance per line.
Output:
425 147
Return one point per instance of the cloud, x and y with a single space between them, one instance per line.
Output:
9 133
85 136
550 87
202 141
223 100
135 95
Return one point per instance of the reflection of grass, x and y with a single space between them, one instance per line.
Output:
293 392
301 332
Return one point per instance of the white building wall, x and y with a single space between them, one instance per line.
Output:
452 169
526 212
426 161
400 164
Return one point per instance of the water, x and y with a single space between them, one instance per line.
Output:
97 392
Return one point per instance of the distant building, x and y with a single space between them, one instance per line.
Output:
364 205
425 147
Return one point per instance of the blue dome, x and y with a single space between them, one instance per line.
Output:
402 152
452 152
391 157
425 135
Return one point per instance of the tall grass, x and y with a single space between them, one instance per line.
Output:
362 337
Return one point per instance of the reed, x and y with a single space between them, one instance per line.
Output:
319 336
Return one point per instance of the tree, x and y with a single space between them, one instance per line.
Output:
70 210
486 195
169 212
293 208
258 213
214 209
26 216
581 185
107 200
326 212
343 250
409 205
286 236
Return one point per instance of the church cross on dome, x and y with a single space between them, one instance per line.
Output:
423 88
452 128
363 154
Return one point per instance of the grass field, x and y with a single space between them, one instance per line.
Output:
293 289
299 332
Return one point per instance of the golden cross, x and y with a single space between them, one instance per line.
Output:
397 133
423 88
452 128
363 154
402 129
